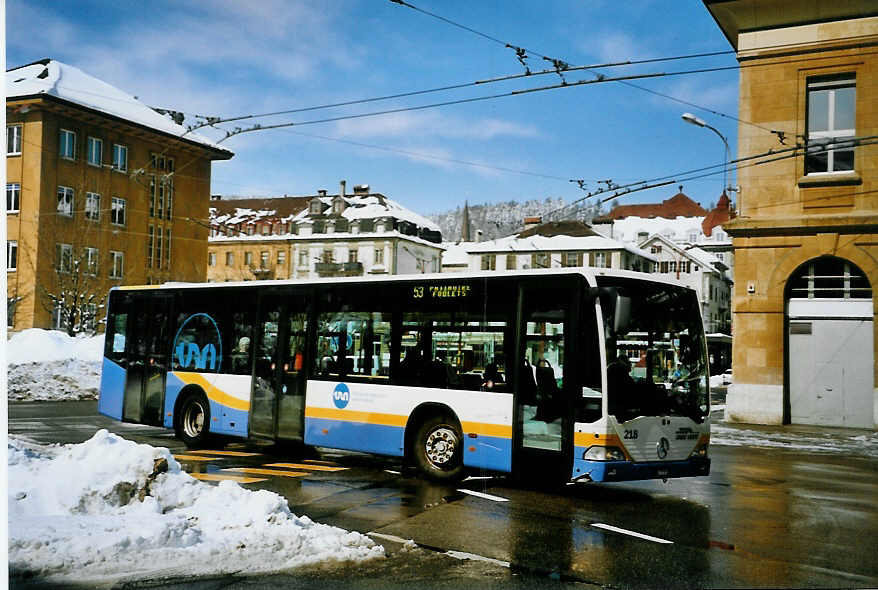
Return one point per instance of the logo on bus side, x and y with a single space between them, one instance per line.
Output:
341 395
198 344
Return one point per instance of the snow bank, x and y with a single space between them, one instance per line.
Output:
110 508
47 365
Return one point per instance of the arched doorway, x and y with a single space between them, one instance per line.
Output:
830 352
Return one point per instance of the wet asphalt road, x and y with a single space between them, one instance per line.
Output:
763 518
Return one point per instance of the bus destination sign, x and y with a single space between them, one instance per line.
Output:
441 291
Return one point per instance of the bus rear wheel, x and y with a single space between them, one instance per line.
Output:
193 421
438 449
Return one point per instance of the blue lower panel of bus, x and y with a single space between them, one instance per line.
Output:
627 470
355 436
112 390
223 419
487 452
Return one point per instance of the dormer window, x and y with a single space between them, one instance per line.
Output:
338 206
316 207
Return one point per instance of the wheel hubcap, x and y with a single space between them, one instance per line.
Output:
193 419
440 446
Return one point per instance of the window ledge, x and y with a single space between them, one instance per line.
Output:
830 179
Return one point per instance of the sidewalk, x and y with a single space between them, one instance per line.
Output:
796 437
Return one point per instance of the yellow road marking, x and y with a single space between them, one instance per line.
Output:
316 462
218 477
311 467
192 458
256 471
227 453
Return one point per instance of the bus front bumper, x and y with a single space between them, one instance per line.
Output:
628 470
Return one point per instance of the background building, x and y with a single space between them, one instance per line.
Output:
101 191
552 245
806 238
319 235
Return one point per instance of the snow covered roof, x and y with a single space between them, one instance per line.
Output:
554 244
52 78
372 206
680 229
455 254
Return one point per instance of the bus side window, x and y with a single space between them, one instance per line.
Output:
239 342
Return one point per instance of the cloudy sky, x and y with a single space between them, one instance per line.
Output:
231 58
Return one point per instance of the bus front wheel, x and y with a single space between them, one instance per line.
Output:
438 449
193 421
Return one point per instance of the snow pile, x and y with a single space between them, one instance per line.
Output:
50 365
808 439
111 508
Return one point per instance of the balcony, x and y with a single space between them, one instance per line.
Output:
339 269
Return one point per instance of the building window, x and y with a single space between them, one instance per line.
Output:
489 261
63 257
120 157
67 144
327 256
251 229
152 195
11 255
13 140
263 259
831 115
168 249
248 258
230 258
540 260
511 261
13 197
91 261
211 259
118 264
379 255
65 201
303 258
94 151
601 260
117 211
570 259
352 255
158 247
266 229
693 237
150 246
281 257
664 266
642 235
721 256
657 249
92 206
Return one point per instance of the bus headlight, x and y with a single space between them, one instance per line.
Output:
700 452
600 453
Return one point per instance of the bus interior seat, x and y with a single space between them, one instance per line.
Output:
549 395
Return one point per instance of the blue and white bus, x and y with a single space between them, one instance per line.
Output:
522 373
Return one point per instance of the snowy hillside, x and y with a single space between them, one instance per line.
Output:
502 219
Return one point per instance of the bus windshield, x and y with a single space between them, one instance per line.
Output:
656 353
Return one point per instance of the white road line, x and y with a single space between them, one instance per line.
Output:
393 472
632 533
472 556
391 538
485 496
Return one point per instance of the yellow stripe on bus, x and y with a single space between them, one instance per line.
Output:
353 416
257 471
213 393
496 430
218 477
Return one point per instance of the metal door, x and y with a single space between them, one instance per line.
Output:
148 352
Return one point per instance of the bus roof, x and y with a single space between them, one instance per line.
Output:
590 275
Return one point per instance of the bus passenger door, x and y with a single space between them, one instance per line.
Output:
148 347
277 403
543 409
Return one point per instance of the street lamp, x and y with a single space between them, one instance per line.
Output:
692 119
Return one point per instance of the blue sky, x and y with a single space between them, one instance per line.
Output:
227 58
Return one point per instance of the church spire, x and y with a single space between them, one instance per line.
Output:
465 234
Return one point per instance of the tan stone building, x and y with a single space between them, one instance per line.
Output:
101 191
806 239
